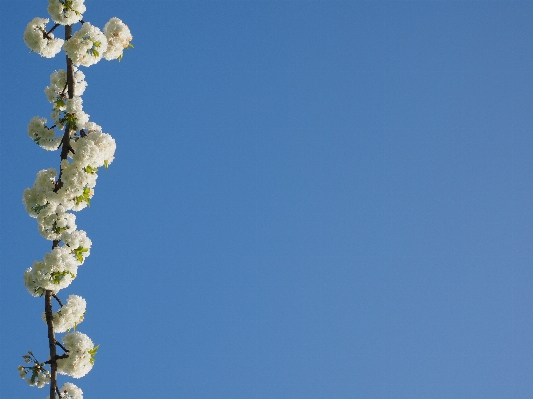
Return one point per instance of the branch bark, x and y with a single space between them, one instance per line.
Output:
49 294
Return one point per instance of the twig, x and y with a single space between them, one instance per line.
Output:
57 299
61 346
52 29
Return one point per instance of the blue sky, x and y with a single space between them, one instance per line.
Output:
309 200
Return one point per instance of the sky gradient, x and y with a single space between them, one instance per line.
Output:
310 199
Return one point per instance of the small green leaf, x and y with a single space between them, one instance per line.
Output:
90 169
57 277
38 208
92 352
106 164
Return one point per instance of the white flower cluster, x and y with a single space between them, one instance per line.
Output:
70 315
58 268
69 391
36 376
55 272
118 37
56 92
66 12
78 178
39 41
87 46
43 135
68 112
81 351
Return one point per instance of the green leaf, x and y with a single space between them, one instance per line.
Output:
84 197
38 208
106 164
56 277
78 253
92 352
34 375
90 169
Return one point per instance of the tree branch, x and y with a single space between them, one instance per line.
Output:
61 346
49 294
57 299
63 356
51 30
51 341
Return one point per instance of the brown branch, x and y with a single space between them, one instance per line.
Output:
49 294
63 356
52 29
61 346
51 342
57 299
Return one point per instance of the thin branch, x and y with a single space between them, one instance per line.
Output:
61 346
57 299
63 356
52 29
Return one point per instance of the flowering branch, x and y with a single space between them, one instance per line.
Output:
84 148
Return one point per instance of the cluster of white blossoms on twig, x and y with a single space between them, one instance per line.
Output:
85 149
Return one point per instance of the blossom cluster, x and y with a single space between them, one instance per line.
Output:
70 315
55 194
88 45
69 391
35 375
41 42
81 351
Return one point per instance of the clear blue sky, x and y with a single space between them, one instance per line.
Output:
309 200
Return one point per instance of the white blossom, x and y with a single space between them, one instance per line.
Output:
66 12
42 135
78 185
51 226
41 199
40 380
55 272
96 149
70 315
118 38
80 358
69 112
69 391
39 41
78 243
58 85
86 46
